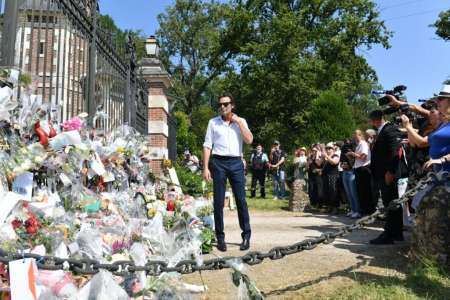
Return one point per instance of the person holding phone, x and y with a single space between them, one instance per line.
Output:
223 144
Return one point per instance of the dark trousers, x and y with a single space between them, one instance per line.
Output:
231 168
394 218
363 180
258 176
330 184
316 189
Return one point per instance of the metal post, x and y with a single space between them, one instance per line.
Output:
129 111
91 101
126 114
9 32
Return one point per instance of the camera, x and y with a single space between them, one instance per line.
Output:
397 92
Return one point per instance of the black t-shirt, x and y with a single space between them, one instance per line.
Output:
276 157
330 169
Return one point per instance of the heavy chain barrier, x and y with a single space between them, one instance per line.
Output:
123 268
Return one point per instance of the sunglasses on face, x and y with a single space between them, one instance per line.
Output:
225 104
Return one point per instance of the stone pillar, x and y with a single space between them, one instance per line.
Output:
431 235
159 104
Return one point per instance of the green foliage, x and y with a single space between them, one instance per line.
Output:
275 57
330 119
119 36
185 137
191 183
200 118
442 25
194 37
205 211
207 236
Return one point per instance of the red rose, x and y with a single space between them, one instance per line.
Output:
32 224
32 229
25 204
170 205
16 223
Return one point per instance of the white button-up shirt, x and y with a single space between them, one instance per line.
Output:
224 139
362 147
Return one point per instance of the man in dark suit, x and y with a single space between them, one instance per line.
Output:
384 163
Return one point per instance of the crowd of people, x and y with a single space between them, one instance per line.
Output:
374 166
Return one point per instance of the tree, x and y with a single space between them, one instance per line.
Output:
185 138
299 49
331 119
198 41
200 118
443 25
118 37
274 56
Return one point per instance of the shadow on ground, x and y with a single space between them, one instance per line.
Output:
391 258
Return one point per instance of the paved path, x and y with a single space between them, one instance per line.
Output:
300 276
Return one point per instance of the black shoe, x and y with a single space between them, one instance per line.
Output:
398 238
221 246
382 239
245 245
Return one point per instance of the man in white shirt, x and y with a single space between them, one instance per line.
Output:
363 175
224 137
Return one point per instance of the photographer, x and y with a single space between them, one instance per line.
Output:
315 184
348 178
384 163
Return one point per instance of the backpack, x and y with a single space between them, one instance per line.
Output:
257 162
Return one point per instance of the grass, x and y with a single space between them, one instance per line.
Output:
268 203
426 280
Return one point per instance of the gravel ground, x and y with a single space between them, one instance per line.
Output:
308 274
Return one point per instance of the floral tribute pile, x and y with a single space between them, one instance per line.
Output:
70 191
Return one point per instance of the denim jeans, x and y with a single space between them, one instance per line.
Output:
279 189
348 179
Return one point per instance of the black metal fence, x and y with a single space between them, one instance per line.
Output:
76 65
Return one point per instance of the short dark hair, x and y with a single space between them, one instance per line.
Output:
226 95
376 115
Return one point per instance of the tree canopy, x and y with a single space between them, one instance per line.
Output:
275 57
443 25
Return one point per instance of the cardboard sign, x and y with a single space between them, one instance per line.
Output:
23 185
22 277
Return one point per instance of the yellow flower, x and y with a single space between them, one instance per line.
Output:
167 163
151 212
120 150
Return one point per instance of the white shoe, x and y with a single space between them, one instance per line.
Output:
356 216
349 214
275 198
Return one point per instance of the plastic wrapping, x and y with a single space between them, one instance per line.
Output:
91 194
60 283
90 243
102 287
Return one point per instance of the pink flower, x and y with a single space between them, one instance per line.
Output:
73 124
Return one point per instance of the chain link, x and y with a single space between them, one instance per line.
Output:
88 266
